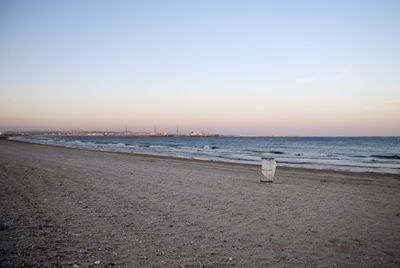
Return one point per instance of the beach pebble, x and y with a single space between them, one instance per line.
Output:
230 259
75 265
97 262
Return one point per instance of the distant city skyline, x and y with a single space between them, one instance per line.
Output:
308 68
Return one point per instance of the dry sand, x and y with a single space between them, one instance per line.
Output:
61 207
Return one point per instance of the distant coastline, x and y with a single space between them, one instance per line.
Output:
134 134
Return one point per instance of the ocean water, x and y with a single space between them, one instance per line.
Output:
359 154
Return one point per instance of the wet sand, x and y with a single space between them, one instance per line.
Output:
61 207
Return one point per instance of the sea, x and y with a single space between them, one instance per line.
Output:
356 154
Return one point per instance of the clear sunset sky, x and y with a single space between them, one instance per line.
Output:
229 67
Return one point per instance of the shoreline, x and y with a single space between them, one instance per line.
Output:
368 174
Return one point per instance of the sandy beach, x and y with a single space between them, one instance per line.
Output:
66 207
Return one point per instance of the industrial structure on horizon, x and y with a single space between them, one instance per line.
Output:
126 133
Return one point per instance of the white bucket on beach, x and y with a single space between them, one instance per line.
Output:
268 166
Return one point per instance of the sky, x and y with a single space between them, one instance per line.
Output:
309 68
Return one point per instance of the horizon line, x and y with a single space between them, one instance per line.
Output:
160 134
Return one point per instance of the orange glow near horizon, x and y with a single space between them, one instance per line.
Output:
230 117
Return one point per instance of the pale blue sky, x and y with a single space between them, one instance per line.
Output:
238 67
